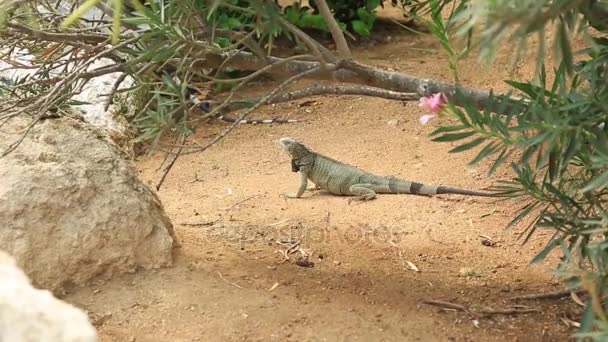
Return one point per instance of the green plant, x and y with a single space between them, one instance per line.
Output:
358 16
554 138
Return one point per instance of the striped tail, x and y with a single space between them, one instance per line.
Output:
206 107
255 122
398 186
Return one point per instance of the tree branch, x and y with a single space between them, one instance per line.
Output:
324 90
58 37
334 29
358 74
315 47
250 110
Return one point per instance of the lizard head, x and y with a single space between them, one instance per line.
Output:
293 148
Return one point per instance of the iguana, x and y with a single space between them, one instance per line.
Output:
342 179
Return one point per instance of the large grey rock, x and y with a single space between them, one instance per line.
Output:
72 209
31 315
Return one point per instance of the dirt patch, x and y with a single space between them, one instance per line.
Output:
232 280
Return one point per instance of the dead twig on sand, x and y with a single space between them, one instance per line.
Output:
229 282
516 310
547 295
170 166
445 305
237 203
213 222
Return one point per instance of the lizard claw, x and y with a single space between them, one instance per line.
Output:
361 199
290 195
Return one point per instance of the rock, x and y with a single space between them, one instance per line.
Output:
73 210
28 314
393 123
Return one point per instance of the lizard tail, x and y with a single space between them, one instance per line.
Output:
399 187
448 190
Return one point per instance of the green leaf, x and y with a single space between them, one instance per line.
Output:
543 254
598 182
223 42
360 27
500 160
571 150
78 13
467 146
528 88
372 4
293 15
486 151
446 129
553 164
563 46
586 320
366 16
525 211
454 136
315 21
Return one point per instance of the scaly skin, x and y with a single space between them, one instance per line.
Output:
346 180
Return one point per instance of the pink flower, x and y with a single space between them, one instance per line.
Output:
434 103
426 118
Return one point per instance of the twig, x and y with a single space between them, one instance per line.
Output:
334 29
446 305
262 70
236 204
327 90
250 110
59 37
547 295
110 99
27 129
229 282
170 166
322 53
458 307
508 311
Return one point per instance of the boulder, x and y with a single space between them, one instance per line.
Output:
72 209
31 315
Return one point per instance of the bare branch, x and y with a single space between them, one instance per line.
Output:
334 29
362 74
263 69
250 110
317 49
325 90
170 166
58 37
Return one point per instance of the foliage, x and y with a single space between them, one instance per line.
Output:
358 15
555 137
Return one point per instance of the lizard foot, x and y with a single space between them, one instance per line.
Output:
291 195
361 199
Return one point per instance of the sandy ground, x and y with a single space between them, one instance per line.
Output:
232 282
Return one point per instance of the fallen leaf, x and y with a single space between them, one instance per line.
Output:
412 266
570 323
577 299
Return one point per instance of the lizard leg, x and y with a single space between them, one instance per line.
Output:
316 187
364 192
302 188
